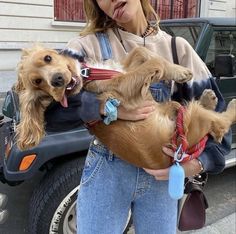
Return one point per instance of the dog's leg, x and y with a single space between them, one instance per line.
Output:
220 126
208 99
143 66
177 73
160 69
136 57
141 55
231 111
30 130
133 83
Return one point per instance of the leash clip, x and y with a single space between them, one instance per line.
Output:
179 156
85 72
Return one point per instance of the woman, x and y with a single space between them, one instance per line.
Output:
111 187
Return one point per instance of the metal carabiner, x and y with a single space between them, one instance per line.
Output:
176 157
180 158
84 72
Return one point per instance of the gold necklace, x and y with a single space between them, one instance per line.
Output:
148 31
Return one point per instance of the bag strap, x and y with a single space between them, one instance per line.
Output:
105 45
183 94
174 50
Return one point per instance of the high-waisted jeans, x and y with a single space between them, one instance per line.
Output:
111 187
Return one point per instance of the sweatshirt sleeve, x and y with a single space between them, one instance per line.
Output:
89 107
89 104
213 157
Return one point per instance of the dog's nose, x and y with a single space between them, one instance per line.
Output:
57 80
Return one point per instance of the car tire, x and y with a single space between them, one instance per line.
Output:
52 205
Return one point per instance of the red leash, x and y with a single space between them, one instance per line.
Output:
91 73
179 138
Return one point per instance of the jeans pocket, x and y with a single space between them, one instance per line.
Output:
92 164
161 91
156 94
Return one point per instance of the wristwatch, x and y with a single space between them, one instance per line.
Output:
201 166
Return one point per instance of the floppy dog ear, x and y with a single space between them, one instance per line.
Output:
73 65
145 89
19 86
30 130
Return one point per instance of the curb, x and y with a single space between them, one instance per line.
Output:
225 225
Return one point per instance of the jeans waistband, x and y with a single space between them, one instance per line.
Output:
101 149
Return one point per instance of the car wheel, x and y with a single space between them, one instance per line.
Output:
53 203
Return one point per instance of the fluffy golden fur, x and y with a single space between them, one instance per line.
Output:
43 75
139 142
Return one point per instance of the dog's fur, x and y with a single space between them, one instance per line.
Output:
138 142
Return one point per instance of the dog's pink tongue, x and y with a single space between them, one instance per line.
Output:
64 102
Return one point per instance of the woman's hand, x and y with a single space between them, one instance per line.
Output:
191 168
159 174
142 112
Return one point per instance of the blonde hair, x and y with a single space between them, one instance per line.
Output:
98 21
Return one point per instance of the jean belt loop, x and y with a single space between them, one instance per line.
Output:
110 156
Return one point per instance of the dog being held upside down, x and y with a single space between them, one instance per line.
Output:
45 75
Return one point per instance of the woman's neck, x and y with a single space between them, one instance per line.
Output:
137 27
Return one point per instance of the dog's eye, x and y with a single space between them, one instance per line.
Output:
38 81
47 58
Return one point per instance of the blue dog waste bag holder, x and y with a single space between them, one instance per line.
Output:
176 177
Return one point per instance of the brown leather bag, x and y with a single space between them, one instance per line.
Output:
192 207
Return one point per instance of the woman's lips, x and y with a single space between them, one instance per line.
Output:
119 10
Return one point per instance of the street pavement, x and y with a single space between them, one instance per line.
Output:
225 225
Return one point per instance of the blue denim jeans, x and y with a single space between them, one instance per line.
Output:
111 187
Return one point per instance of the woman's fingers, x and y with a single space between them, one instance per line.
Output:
191 168
159 174
142 112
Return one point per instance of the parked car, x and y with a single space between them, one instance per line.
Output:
61 155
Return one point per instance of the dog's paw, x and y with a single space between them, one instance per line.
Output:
232 109
218 130
182 74
208 99
232 105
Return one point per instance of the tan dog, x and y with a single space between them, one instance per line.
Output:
43 75
139 142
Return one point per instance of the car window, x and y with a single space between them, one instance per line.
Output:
190 33
222 42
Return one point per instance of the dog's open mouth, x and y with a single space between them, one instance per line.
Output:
73 83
